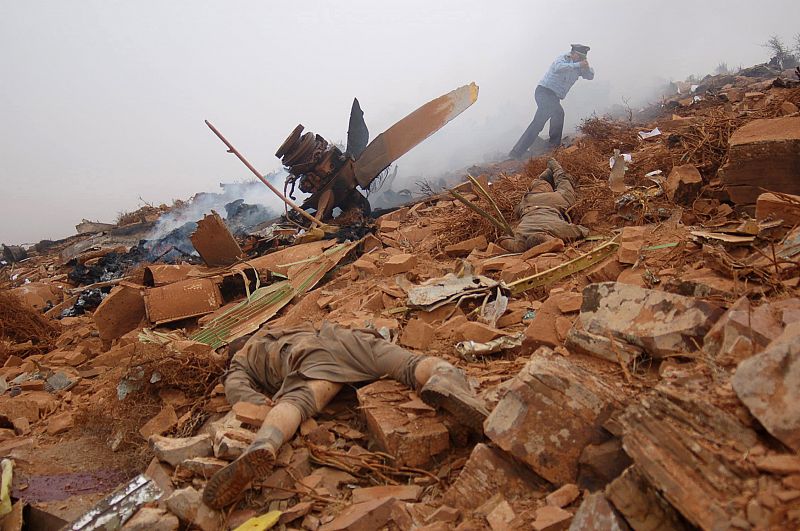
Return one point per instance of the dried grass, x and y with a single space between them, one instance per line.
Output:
705 144
194 372
19 323
608 134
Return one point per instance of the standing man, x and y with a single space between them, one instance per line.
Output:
553 88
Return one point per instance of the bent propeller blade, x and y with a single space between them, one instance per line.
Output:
357 132
410 131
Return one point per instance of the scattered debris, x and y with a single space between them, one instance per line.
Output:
639 378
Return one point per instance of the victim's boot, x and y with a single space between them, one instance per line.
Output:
547 175
256 462
448 389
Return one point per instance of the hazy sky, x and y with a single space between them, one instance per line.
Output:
102 102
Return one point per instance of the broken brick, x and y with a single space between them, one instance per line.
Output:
630 245
187 505
365 516
417 334
596 514
414 439
489 472
152 519
478 332
763 151
177 450
550 518
165 420
536 425
60 423
398 492
465 247
501 516
563 496
250 414
683 184
769 385
661 323
399 263
553 245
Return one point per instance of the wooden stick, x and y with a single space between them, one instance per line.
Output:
285 199
481 212
487 197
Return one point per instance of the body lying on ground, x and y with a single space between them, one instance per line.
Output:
542 211
302 369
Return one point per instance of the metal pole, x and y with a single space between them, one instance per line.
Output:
285 199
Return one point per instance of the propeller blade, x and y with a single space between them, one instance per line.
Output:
410 131
357 132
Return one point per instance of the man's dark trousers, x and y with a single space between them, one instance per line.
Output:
548 107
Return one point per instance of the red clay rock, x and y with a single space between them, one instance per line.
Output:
177 450
763 153
517 271
607 271
152 519
501 516
596 514
444 513
413 438
773 207
478 332
631 242
250 414
489 472
60 423
367 516
661 323
551 519
364 269
164 421
569 302
398 492
563 496
550 246
465 247
535 424
417 334
399 263
683 184
769 385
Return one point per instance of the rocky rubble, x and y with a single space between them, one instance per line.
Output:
655 387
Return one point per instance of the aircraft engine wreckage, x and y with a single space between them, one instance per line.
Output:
321 169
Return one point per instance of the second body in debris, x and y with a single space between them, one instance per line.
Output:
542 211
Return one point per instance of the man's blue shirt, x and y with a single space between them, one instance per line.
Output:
563 73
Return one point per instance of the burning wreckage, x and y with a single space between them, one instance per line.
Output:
671 330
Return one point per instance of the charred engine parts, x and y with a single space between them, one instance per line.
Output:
331 176
310 159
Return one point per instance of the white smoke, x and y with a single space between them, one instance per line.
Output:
251 192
